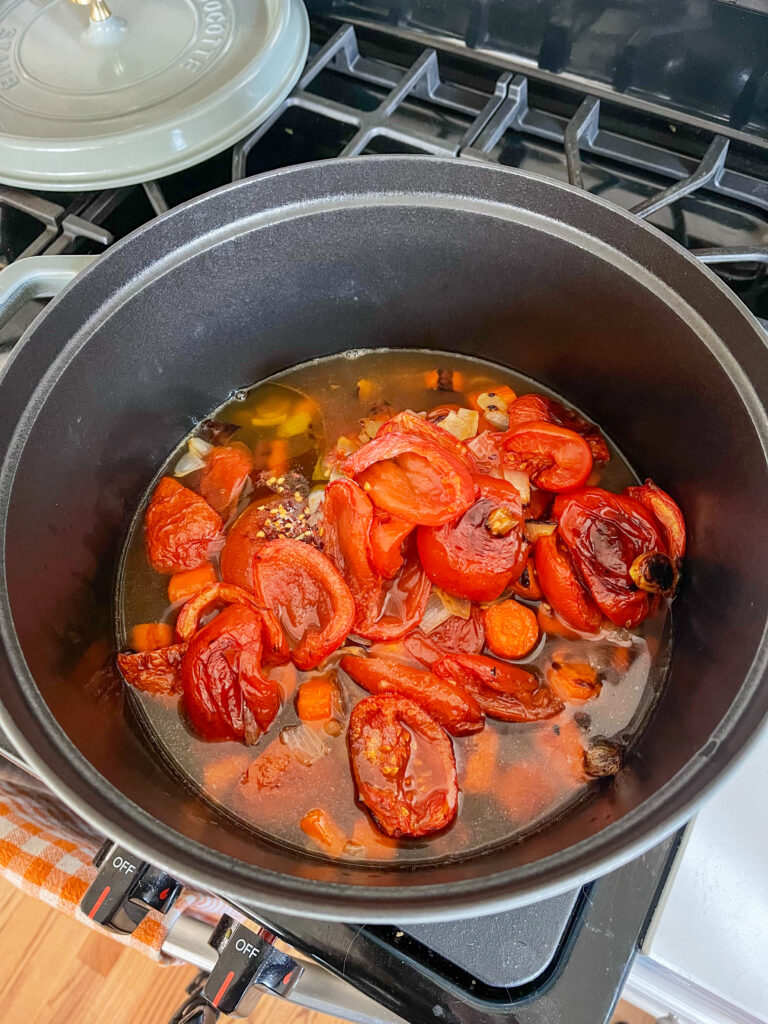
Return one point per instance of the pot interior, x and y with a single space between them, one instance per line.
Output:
658 365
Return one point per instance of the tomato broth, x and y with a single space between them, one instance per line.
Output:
513 777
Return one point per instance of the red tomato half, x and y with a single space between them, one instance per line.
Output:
314 604
236 562
464 557
412 478
388 737
555 458
667 514
400 602
605 533
507 692
226 697
527 408
562 587
448 703
386 542
218 594
347 521
157 671
180 528
224 476
408 422
454 636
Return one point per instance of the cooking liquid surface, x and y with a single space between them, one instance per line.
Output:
513 777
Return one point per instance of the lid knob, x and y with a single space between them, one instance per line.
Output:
99 10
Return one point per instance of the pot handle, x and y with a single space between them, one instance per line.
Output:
36 277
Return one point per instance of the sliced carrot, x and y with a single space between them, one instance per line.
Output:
574 680
444 380
183 585
321 827
480 768
149 636
622 658
316 698
511 629
278 455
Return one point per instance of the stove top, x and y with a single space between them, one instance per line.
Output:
379 90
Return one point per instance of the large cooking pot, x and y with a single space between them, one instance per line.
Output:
392 251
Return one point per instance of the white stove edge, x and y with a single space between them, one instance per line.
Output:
705 954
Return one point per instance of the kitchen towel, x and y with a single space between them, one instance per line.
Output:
46 851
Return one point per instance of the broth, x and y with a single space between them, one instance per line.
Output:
514 778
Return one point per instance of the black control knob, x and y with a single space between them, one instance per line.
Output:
248 966
126 889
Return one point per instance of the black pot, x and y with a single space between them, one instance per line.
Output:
393 251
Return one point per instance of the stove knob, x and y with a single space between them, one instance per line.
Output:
247 967
126 889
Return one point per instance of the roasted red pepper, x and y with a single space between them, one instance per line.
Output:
386 543
455 635
180 528
447 702
507 692
470 556
218 594
604 534
157 671
314 604
666 513
403 766
226 696
562 587
412 478
536 407
555 458
224 476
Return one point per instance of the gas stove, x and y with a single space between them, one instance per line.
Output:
397 79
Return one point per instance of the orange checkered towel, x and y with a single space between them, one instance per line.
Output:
46 851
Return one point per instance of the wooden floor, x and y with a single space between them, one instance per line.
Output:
54 970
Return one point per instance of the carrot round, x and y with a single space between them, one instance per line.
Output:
149 636
574 680
315 699
511 629
183 585
320 826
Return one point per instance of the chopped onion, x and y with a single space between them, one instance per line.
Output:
187 464
435 613
458 606
370 429
534 529
306 745
462 423
520 481
197 446
315 500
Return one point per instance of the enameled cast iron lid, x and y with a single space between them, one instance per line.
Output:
96 96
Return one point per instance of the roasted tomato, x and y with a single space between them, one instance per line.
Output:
539 504
555 458
314 604
218 594
536 407
386 543
485 452
604 534
347 522
224 476
157 671
400 602
274 519
226 696
666 513
412 478
408 422
389 736
563 588
455 635
574 680
508 692
527 583
180 528
478 554
447 702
